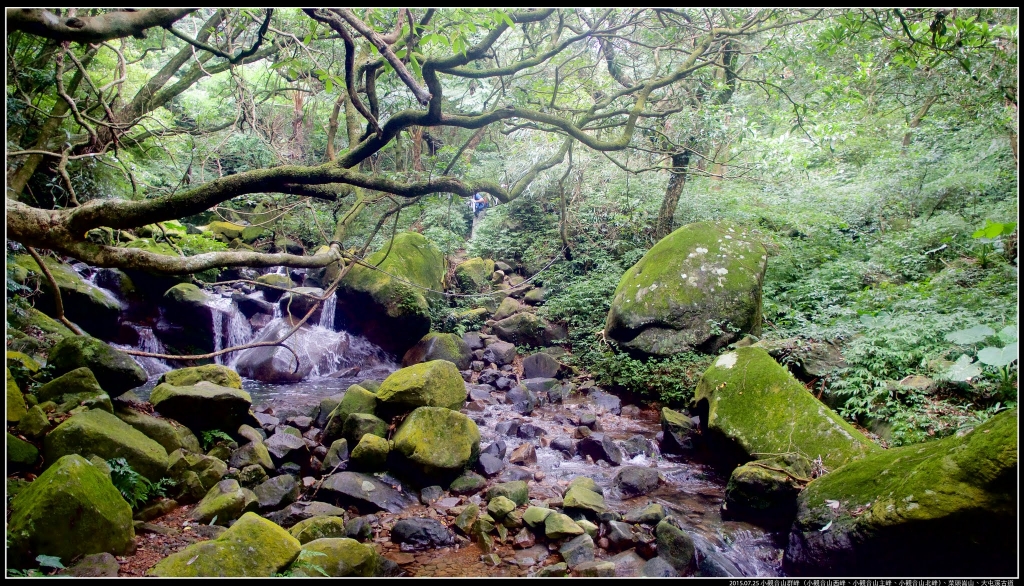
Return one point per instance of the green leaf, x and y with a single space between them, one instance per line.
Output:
994 229
49 561
963 369
998 357
1008 334
970 335
329 85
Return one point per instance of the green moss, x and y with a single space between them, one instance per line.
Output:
169 434
760 409
436 346
320 527
516 490
657 310
558 526
356 400
370 454
436 442
20 453
434 384
253 546
100 433
149 245
214 373
16 407
228 229
342 557
474 275
272 294
115 370
203 406
578 497
72 509
224 503
49 330
359 424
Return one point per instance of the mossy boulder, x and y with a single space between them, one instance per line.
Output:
370 454
583 499
342 557
278 283
75 388
213 373
356 400
72 509
474 275
319 527
99 433
188 318
516 491
46 330
698 288
208 469
359 424
251 234
115 371
34 423
435 346
527 329
203 406
436 444
507 308
225 502
677 431
765 491
88 306
390 312
942 508
20 453
755 406
166 432
16 407
252 546
226 231
429 384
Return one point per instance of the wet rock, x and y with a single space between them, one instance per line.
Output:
636 480
637 445
606 402
577 550
250 305
524 454
300 511
421 533
516 473
277 492
600 447
504 383
489 376
516 491
468 483
675 546
496 448
540 385
500 353
558 526
365 492
620 535
578 498
489 465
597 569
540 365
507 428
360 528
588 419
677 428
522 400
657 567
97 565
585 482
481 393
565 445
650 514
530 431
630 412
430 494
582 432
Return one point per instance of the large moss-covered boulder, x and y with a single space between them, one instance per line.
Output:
99 433
435 346
115 371
436 444
74 388
168 433
226 231
390 312
214 373
319 527
203 406
72 509
526 329
278 285
47 331
698 288
342 557
16 407
188 320
755 406
474 275
942 508
429 384
253 546
225 502
356 400
765 491
93 309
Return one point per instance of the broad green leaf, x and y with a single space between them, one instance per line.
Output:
998 357
994 229
329 85
1008 334
49 561
970 335
963 369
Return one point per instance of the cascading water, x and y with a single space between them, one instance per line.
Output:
147 342
230 328
91 280
327 313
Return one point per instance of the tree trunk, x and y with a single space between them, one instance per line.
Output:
917 119
680 163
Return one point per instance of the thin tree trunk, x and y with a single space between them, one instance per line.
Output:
680 163
917 119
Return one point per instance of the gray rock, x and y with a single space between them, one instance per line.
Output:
285 447
577 550
674 545
365 492
360 528
489 465
96 565
620 535
628 563
472 339
529 431
540 365
600 447
650 514
637 445
509 428
657 567
565 445
496 448
277 492
500 353
636 480
421 534
301 511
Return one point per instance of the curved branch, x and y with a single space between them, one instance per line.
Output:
92 29
422 95
234 60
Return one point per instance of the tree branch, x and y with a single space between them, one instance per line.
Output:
91 29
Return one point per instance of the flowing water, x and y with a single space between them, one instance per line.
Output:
230 329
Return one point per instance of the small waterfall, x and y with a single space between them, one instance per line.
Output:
147 342
91 280
230 328
327 313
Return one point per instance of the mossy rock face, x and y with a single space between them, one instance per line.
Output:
16 407
435 346
474 275
764 491
698 288
228 230
78 387
370 454
356 400
72 509
755 406
516 491
208 470
169 434
272 294
320 527
429 384
253 546
436 444
20 453
84 304
942 508
359 424
342 557
225 502
390 312
203 406
47 330
213 373
115 371
251 234
188 319
522 329
99 433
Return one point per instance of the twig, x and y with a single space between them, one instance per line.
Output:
57 301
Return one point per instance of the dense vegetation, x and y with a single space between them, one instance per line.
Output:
875 151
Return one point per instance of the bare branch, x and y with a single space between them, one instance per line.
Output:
91 29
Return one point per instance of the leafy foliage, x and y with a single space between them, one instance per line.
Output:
212 437
135 488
